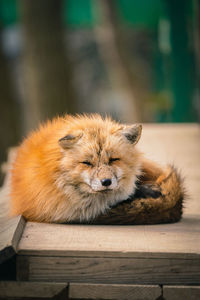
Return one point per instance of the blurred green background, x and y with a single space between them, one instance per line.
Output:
137 60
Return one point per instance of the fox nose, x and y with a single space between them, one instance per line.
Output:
106 181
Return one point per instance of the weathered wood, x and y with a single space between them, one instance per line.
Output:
164 254
111 270
181 292
10 233
22 268
10 228
26 290
180 239
113 291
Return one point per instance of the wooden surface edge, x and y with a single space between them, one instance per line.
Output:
181 292
113 291
18 232
108 254
116 270
14 289
10 234
179 240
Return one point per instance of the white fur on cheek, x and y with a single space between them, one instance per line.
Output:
86 177
114 183
119 172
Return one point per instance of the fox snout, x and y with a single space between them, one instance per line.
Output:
103 184
101 179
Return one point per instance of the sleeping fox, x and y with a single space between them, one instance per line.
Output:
75 168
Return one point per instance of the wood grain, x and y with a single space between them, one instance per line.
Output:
10 234
180 239
24 290
113 291
111 270
181 292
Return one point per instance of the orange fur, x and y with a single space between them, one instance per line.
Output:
51 180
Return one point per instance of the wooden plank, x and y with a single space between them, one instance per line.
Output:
10 234
113 291
110 270
13 289
10 228
181 292
178 240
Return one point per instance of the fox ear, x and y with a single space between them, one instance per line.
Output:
132 133
68 141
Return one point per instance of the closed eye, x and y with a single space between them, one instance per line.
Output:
86 163
111 160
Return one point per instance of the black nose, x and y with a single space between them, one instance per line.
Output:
106 181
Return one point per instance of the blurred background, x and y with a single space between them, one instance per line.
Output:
136 60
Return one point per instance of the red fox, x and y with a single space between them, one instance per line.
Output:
75 168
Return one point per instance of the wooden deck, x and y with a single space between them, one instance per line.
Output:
118 262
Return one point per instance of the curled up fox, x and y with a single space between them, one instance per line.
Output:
76 168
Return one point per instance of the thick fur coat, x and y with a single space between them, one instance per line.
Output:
81 169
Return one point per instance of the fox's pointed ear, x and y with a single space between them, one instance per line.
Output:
69 140
132 133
